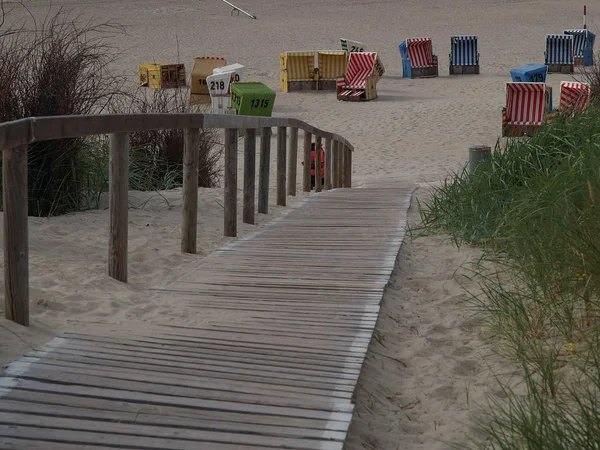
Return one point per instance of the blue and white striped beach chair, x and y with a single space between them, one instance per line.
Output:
559 53
583 46
464 57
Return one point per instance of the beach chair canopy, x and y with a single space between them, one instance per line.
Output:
419 51
582 39
332 64
574 96
300 66
360 66
352 46
525 103
464 51
533 73
559 49
236 69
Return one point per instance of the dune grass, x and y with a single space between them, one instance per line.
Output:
534 210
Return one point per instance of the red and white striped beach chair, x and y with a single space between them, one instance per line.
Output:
362 74
574 97
527 105
418 60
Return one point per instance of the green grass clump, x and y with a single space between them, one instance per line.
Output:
534 209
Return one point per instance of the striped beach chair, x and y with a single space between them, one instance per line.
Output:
362 74
527 105
559 53
297 71
219 88
352 46
574 97
464 57
418 60
583 46
332 65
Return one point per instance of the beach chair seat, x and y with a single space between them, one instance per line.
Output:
527 106
418 60
464 55
559 53
583 46
362 74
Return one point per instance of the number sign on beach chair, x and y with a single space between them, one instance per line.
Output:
532 73
583 46
297 71
352 46
464 57
559 53
360 82
219 88
574 97
418 60
527 105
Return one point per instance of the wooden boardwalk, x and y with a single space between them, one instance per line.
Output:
297 303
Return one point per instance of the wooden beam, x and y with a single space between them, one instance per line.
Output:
16 247
328 162
230 200
318 144
347 167
264 171
281 165
118 191
249 175
340 165
292 161
306 168
334 165
189 211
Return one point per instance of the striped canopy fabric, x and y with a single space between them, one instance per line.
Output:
300 66
582 39
360 66
525 103
574 96
420 52
559 49
332 64
464 51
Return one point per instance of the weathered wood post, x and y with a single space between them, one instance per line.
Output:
306 168
328 164
189 211
230 201
16 245
293 161
340 164
347 167
118 204
334 165
249 174
264 171
318 144
281 164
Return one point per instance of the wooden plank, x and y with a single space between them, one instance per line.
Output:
16 245
319 143
264 171
292 161
249 175
347 167
307 162
230 200
281 165
189 211
118 191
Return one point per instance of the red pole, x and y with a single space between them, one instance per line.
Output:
584 14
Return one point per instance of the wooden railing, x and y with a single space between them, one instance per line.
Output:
15 137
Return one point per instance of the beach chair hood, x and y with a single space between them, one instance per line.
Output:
361 66
574 96
525 103
419 51
559 49
464 51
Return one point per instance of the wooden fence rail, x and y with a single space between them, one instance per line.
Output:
17 135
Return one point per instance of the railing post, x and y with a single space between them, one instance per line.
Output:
334 165
340 165
16 245
328 164
293 161
318 143
249 174
307 162
347 167
119 223
264 170
230 200
281 164
189 212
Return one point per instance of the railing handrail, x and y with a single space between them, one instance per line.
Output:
22 132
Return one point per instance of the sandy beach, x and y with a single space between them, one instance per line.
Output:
419 390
